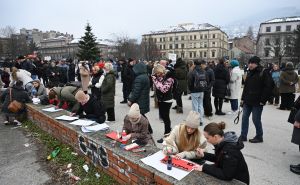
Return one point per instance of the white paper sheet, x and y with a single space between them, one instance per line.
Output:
36 100
52 109
82 122
95 128
154 161
67 118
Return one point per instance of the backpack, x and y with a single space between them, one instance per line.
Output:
200 82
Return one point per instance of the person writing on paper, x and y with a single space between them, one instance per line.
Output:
89 108
228 158
38 90
136 126
185 138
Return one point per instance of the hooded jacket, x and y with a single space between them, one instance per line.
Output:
229 162
288 76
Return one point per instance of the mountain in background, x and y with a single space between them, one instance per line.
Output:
239 28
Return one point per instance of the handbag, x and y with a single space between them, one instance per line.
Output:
14 106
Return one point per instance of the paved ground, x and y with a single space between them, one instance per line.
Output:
268 162
18 164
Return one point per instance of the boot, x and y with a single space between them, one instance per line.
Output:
179 110
175 107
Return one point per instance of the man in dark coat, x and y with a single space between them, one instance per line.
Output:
17 93
181 77
90 106
256 92
127 77
207 93
71 71
296 140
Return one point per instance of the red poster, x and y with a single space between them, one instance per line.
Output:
113 135
180 163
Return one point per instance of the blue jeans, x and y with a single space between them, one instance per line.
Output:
256 118
197 102
234 104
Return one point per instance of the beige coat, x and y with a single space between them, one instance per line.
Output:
85 77
173 139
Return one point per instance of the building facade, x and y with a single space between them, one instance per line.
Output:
190 41
241 48
274 39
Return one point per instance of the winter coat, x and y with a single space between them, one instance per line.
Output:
84 72
41 92
71 72
229 160
17 93
127 75
235 83
108 90
276 77
96 83
257 88
173 140
287 77
23 76
296 131
191 79
67 94
53 74
222 79
93 110
210 78
181 75
140 88
163 88
139 131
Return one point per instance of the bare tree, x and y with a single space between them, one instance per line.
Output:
126 47
150 50
7 31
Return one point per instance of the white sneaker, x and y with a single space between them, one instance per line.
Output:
18 123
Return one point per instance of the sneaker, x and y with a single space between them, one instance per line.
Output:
160 140
17 123
6 122
220 113
256 140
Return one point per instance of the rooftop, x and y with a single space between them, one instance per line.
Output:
284 19
185 28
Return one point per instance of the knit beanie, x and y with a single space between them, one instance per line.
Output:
193 119
80 96
289 65
134 113
255 60
234 63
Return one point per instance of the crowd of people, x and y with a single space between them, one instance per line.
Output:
87 89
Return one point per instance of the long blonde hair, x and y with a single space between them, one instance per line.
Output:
188 142
14 71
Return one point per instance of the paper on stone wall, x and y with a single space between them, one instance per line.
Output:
52 109
94 128
82 122
66 118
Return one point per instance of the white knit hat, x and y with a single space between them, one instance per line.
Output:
134 113
193 119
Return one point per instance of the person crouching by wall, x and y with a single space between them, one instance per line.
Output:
89 107
228 158
136 126
17 93
185 138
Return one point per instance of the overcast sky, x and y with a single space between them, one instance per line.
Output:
127 17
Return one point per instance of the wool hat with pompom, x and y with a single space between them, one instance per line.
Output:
134 113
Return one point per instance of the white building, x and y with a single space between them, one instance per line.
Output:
274 38
191 41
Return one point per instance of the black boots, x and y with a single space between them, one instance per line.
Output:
256 140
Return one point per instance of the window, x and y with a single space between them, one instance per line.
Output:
205 44
182 37
194 54
213 44
176 38
182 54
191 37
267 42
278 28
191 54
164 39
195 37
213 54
204 54
288 28
205 36
182 45
268 29
170 46
214 36
195 44
170 38
201 36
164 46
176 46
160 46
160 39
200 54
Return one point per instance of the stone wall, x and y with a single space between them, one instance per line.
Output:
124 166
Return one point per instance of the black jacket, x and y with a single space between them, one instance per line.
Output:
257 88
18 93
93 109
222 79
229 160
96 92
210 78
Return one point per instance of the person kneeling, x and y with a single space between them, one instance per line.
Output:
89 108
136 126
228 158
185 138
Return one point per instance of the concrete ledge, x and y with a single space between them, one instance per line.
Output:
123 166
